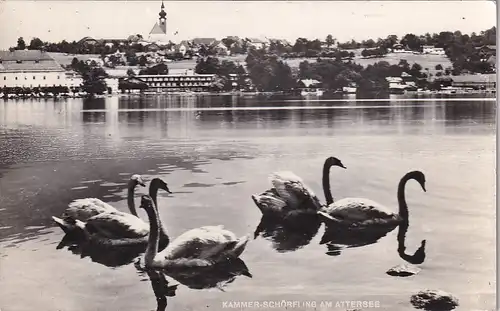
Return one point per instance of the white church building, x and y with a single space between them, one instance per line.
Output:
158 34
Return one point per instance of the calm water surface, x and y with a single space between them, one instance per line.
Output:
52 152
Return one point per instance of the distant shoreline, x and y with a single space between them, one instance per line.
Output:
408 94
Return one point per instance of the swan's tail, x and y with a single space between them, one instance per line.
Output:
70 225
240 246
268 203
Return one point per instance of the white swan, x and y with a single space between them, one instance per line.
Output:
357 213
200 247
83 209
116 228
290 193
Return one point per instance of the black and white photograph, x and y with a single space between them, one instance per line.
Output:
248 155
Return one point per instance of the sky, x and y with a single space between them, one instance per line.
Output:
71 20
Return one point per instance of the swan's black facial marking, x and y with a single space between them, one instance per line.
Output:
420 177
164 186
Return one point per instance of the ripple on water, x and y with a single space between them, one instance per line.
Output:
90 181
196 185
79 188
112 184
230 183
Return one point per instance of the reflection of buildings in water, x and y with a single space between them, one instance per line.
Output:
94 116
482 112
187 118
230 116
112 129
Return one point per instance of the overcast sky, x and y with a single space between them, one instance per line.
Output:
345 20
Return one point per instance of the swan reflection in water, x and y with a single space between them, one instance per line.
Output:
108 256
289 235
339 238
214 276
161 288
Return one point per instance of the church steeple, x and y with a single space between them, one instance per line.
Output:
163 18
159 31
163 15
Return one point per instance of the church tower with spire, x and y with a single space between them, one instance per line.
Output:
159 32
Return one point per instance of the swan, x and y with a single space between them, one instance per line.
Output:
116 228
290 194
199 247
357 213
83 209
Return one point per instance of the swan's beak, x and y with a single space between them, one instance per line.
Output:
142 183
423 187
168 190
342 166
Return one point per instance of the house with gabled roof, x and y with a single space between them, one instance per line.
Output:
30 68
220 48
257 43
198 42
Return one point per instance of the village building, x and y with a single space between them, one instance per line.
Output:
430 49
31 68
220 48
256 43
207 42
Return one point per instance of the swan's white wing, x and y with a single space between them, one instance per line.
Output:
292 188
358 209
117 225
200 243
82 209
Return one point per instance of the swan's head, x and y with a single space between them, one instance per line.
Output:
418 176
137 180
147 202
333 161
161 184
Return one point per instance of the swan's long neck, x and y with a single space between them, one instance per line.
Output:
153 193
130 198
326 183
154 235
403 207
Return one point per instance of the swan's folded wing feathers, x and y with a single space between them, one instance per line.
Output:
198 242
83 209
358 209
291 188
117 225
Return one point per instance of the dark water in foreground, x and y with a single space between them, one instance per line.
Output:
54 152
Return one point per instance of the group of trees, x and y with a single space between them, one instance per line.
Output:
268 72
222 70
159 69
465 51
376 52
335 74
92 75
462 49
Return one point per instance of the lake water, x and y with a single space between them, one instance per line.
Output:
215 152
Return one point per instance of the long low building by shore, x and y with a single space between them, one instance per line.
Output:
178 82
